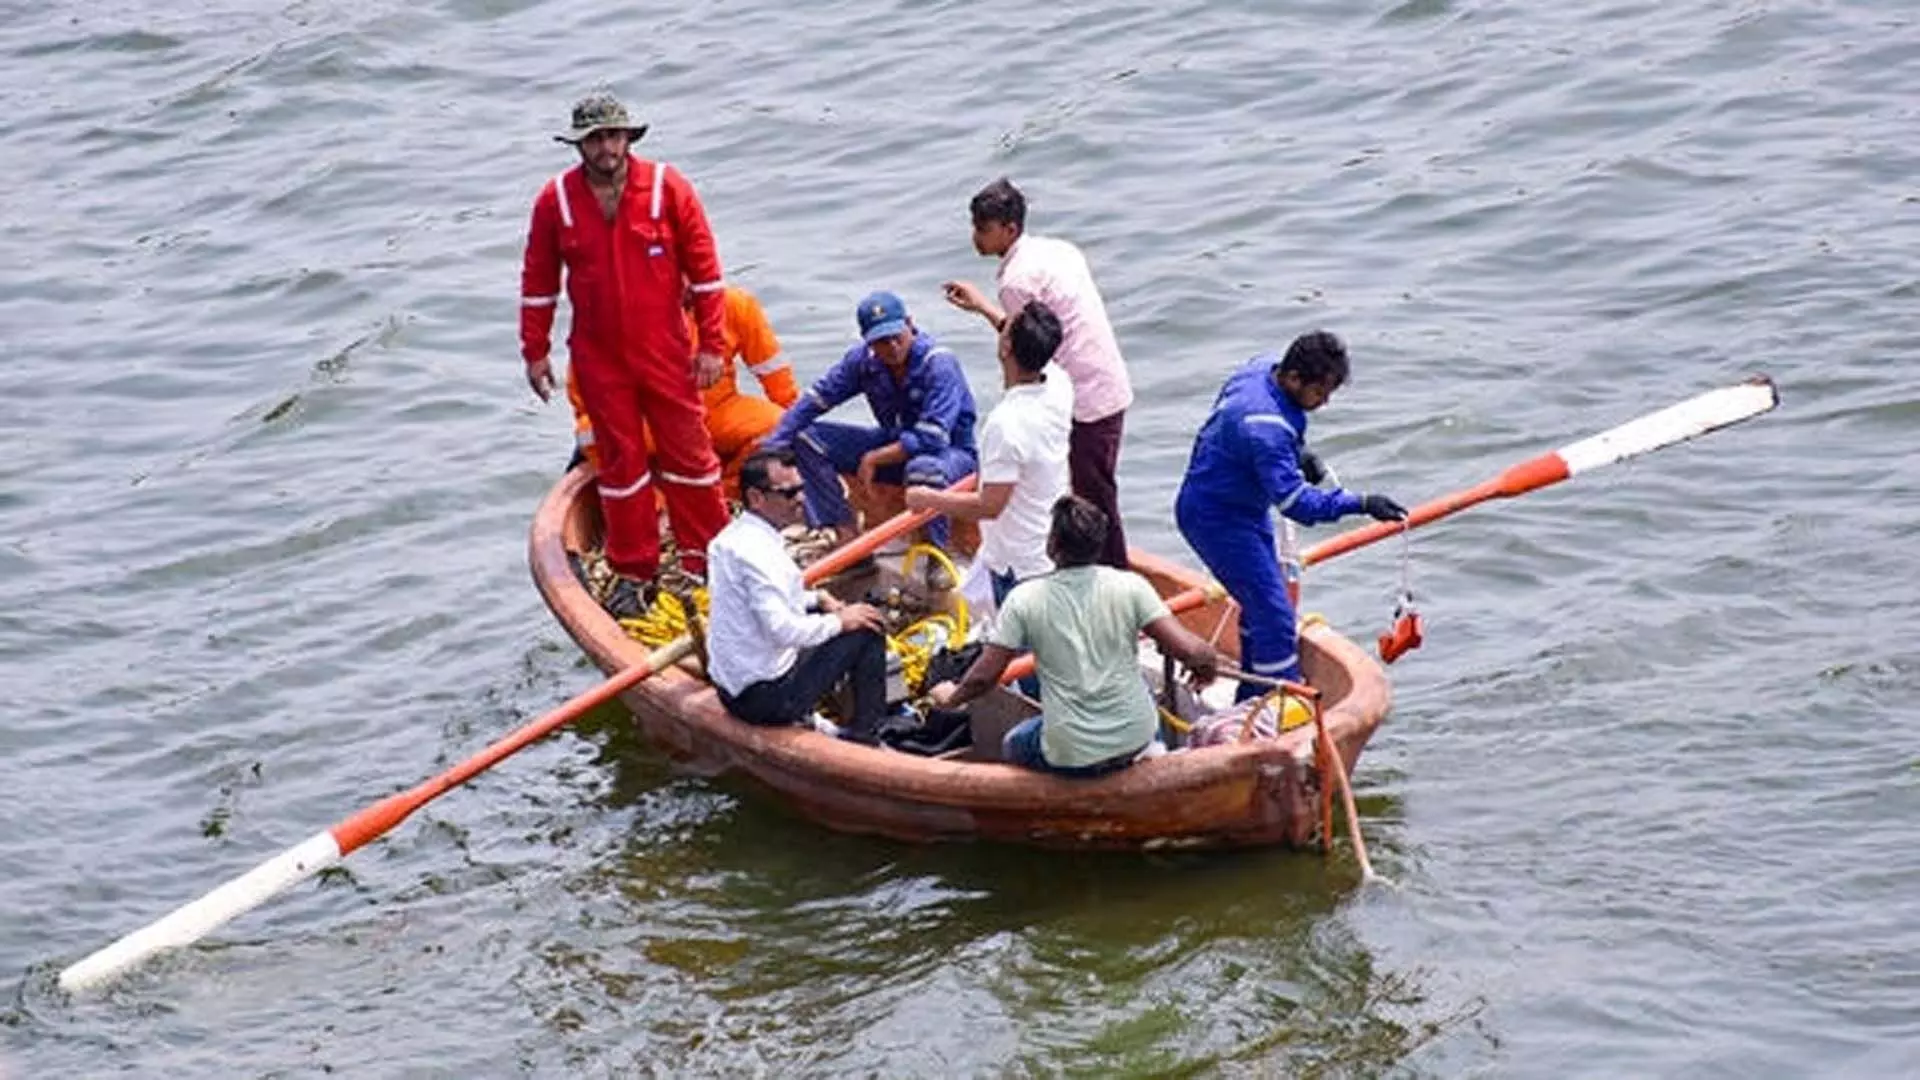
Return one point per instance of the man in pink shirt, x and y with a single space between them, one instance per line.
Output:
1053 271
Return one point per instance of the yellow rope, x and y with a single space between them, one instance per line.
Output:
915 645
665 620
960 602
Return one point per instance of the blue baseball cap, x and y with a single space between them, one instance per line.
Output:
881 314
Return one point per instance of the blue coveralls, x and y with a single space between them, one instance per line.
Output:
931 414
1246 462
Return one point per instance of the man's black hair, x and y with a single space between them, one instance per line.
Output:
1318 358
1000 201
756 473
1079 531
1035 333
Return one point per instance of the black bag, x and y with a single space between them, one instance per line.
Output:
950 665
942 729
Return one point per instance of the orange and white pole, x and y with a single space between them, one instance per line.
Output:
1674 424
191 922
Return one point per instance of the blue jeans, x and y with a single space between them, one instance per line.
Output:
1022 747
826 451
1238 551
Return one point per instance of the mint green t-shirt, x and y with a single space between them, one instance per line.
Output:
1083 625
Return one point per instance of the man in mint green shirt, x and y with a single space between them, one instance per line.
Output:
1083 623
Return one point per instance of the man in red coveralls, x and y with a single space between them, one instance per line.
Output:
634 239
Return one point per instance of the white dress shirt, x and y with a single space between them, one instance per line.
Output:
757 619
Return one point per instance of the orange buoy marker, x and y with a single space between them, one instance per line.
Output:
1404 635
191 922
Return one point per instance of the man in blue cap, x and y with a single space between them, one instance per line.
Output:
918 396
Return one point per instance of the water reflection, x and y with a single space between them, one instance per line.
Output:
752 939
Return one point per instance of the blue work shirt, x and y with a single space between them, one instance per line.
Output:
928 412
1246 457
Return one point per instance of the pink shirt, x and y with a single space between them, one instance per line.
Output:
1054 271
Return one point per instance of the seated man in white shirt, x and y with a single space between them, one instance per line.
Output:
1023 455
769 658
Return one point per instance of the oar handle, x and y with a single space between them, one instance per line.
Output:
1517 480
379 819
870 541
1288 685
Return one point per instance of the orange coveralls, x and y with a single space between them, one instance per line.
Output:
735 421
630 350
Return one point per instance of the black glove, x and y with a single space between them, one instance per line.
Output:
1381 508
1312 469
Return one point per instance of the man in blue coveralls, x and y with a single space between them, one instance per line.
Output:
1249 458
916 392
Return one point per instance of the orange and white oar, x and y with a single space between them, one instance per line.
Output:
194 921
191 922
1674 424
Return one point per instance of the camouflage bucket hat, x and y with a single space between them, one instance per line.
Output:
596 112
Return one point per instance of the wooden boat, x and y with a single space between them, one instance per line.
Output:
1261 791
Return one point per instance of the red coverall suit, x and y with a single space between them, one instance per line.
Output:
629 349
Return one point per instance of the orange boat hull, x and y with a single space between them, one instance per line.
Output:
1255 793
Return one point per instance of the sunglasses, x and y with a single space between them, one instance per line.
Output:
791 491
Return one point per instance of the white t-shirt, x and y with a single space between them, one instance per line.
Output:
1024 442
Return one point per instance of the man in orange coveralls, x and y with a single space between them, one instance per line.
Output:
735 421
633 239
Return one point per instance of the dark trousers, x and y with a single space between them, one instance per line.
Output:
858 654
827 450
1093 457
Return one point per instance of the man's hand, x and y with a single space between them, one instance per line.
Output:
966 296
941 696
828 603
868 463
707 369
1381 508
540 377
919 498
861 617
1312 469
1203 667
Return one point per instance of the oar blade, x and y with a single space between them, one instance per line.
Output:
191 922
1689 419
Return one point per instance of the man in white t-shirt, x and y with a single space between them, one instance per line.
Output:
1023 456
1052 271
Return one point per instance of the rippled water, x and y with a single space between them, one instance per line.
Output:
1647 795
